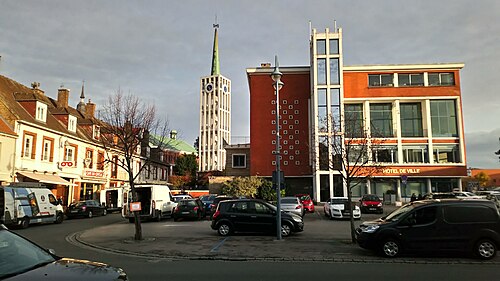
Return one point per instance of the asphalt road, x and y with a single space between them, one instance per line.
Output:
54 236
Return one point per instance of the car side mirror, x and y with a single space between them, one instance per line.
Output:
52 251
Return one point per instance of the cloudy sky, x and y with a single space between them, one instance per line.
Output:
159 49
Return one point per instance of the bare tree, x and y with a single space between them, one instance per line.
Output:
127 122
351 145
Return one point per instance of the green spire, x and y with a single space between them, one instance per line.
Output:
215 56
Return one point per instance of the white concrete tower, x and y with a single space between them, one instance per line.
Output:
215 116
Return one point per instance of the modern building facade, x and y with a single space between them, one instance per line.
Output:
414 110
215 115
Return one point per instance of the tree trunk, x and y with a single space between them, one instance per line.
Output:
351 211
137 217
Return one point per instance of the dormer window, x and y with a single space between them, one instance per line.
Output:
96 132
41 112
72 123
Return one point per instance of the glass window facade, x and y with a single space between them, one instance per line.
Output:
321 47
334 46
411 79
384 80
321 72
385 154
441 79
324 163
446 154
381 120
444 118
334 72
354 120
415 154
411 119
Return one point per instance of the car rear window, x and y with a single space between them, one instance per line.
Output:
187 203
466 214
305 197
371 198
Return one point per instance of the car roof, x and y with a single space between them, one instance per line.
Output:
451 201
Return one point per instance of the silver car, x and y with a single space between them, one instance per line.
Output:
293 205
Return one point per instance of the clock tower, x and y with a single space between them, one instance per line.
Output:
215 115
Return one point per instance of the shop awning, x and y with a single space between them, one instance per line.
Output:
45 178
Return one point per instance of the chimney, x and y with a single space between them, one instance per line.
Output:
265 65
90 109
36 88
62 97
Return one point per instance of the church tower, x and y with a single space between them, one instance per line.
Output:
215 115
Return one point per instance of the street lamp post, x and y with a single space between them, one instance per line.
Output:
276 76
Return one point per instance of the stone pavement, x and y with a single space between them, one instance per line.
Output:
322 240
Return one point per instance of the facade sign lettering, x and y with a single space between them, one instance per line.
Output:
399 171
94 174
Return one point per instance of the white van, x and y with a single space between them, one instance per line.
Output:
156 202
112 199
24 204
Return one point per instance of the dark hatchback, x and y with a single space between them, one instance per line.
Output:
207 201
189 209
445 225
371 203
217 200
253 216
87 208
21 259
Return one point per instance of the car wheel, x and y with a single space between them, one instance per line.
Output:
104 212
59 218
159 216
485 249
286 229
90 215
224 229
390 248
25 222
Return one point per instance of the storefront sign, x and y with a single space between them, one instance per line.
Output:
67 164
94 174
400 171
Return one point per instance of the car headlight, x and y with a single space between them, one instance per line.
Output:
336 210
370 228
296 218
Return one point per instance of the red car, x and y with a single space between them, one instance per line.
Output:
306 202
371 203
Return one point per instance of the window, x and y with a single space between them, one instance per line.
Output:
465 214
443 118
321 47
411 120
381 120
422 216
69 153
41 112
441 79
96 132
324 162
322 110
239 161
114 167
47 148
415 154
353 120
376 80
334 46
356 154
321 72
411 79
385 154
334 71
100 160
72 123
29 146
446 154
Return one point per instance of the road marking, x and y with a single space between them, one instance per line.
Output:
175 225
217 246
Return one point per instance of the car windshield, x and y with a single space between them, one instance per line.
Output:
187 203
207 198
371 198
289 201
18 255
339 201
305 197
398 213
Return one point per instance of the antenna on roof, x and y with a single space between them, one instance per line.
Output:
216 24
310 28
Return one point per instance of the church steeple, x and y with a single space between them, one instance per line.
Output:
81 105
215 55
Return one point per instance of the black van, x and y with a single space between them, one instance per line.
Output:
470 225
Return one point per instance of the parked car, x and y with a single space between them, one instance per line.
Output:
21 259
207 201
87 208
336 208
306 201
466 194
292 204
495 197
155 200
216 202
179 197
371 203
484 193
461 225
189 208
253 215
439 195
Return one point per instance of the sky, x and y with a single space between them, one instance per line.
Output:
158 50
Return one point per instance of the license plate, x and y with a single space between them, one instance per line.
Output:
372 209
74 211
185 213
347 214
